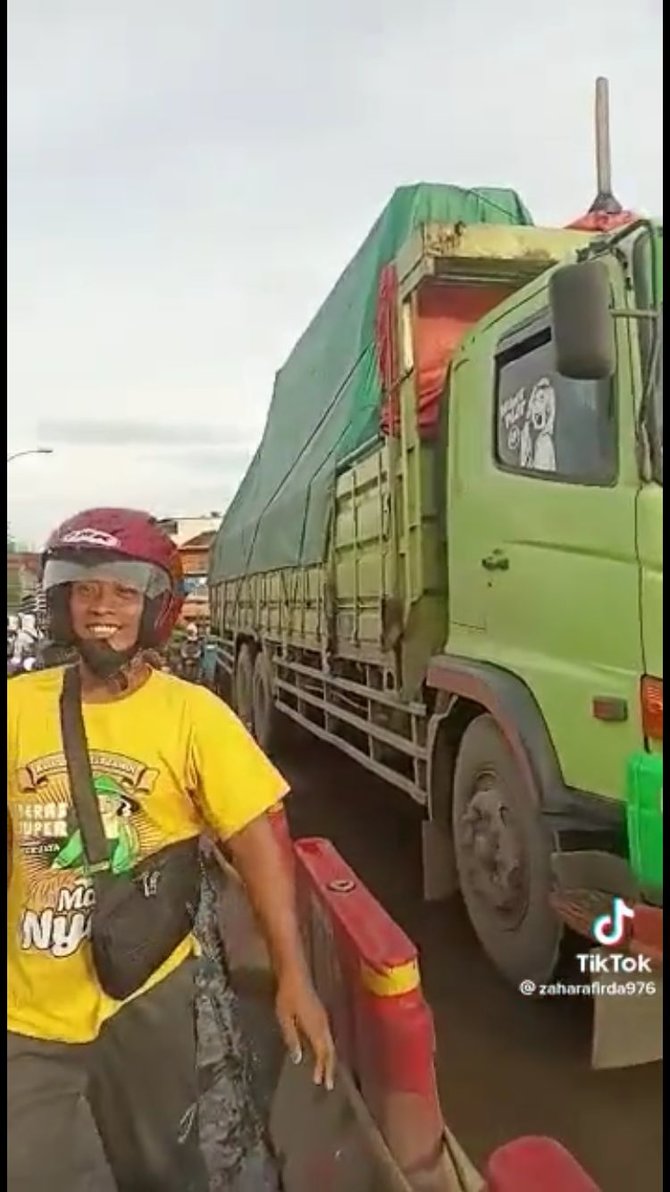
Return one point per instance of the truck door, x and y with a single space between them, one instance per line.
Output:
556 544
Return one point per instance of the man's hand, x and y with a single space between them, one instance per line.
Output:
268 880
301 1016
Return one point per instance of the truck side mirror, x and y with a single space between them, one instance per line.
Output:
583 325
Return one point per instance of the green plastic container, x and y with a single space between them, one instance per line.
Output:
644 794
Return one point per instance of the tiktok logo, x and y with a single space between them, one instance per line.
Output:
609 929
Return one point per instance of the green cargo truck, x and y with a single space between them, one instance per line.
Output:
446 557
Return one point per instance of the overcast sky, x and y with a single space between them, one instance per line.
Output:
187 178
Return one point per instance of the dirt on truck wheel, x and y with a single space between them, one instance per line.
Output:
264 709
223 685
244 686
503 851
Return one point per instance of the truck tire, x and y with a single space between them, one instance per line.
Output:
265 712
244 686
502 850
223 685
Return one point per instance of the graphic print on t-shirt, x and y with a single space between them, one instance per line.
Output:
55 915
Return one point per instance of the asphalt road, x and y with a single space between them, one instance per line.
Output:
506 1067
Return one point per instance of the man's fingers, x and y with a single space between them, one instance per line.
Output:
329 1069
290 1036
324 1066
319 1066
303 1017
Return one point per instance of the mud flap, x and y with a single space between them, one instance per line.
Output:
627 1008
591 869
627 1026
440 878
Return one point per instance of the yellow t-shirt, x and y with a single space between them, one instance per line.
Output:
168 761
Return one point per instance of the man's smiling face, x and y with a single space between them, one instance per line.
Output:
103 610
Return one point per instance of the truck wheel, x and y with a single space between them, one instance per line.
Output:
223 684
244 687
265 712
502 851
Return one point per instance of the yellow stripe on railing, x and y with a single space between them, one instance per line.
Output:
402 978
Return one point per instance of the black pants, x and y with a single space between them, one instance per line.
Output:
136 1085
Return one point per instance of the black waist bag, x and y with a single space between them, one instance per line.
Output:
139 917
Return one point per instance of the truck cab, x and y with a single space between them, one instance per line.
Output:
555 511
554 483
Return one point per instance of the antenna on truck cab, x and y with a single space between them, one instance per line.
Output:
604 200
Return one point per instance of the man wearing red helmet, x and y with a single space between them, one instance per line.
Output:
168 761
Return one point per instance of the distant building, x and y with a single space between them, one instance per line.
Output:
23 580
183 529
194 537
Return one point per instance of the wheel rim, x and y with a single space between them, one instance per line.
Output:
493 853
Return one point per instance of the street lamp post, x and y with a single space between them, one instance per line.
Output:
30 451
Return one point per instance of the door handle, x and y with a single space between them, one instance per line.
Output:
496 561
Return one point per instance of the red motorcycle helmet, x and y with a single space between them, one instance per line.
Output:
126 544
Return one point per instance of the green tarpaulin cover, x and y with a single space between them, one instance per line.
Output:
327 397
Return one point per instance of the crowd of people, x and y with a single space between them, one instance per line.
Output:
23 642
